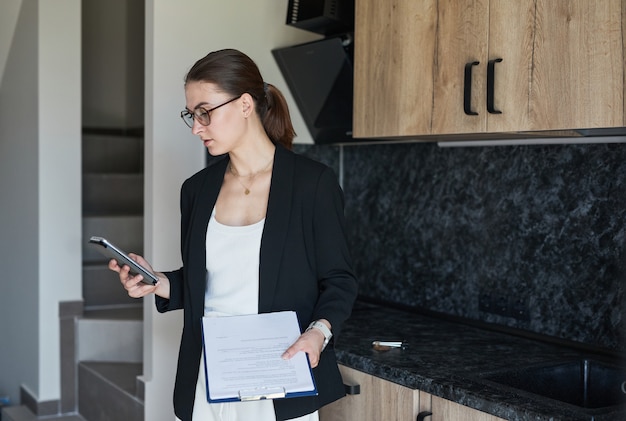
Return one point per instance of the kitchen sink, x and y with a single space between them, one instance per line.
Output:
584 383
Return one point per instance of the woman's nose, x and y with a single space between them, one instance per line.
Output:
197 127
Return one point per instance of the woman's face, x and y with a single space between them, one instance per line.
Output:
226 127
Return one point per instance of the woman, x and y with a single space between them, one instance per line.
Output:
262 231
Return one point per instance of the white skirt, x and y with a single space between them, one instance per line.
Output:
262 410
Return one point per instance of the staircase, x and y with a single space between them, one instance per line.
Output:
102 336
109 335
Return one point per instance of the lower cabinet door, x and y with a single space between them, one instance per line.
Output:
445 410
382 400
377 400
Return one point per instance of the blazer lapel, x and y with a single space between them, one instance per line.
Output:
205 202
276 226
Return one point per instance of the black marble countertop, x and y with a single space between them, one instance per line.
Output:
450 360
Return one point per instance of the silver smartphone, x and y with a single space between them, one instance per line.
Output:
111 251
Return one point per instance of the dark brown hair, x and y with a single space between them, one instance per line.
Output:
235 73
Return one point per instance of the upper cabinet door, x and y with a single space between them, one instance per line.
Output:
562 64
441 67
460 66
394 52
510 64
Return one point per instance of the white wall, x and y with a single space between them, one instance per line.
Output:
8 20
60 202
19 235
175 38
40 189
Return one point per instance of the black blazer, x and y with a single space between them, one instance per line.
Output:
305 266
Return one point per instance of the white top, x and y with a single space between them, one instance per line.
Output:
232 260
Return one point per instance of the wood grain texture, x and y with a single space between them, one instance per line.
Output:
572 65
562 66
384 400
445 410
379 400
462 35
511 37
393 66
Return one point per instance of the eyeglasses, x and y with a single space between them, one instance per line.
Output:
202 114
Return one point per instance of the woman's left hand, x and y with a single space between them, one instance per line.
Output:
310 342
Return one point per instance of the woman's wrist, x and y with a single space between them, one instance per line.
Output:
163 286
322 326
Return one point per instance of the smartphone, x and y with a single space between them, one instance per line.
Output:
112 252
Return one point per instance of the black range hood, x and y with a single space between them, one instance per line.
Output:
326 17
319 75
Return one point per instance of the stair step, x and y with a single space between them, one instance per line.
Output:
22 413
111 153
111 339
105 389
112 194
126 232
134 312
109 335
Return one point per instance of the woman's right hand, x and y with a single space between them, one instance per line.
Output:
132 283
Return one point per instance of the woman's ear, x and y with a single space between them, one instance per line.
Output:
247 104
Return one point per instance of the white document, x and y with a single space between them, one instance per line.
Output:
243 361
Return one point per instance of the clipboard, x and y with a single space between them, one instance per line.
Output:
242 358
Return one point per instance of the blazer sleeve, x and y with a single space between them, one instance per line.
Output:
336 279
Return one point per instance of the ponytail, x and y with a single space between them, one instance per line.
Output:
277 120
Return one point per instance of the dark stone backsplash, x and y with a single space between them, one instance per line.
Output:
531 237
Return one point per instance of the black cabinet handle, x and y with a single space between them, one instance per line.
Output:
490 86
467 89
352 389
422 415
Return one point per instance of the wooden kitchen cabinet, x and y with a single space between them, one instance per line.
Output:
425 67
445 410
380 399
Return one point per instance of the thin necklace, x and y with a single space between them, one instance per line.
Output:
252 176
